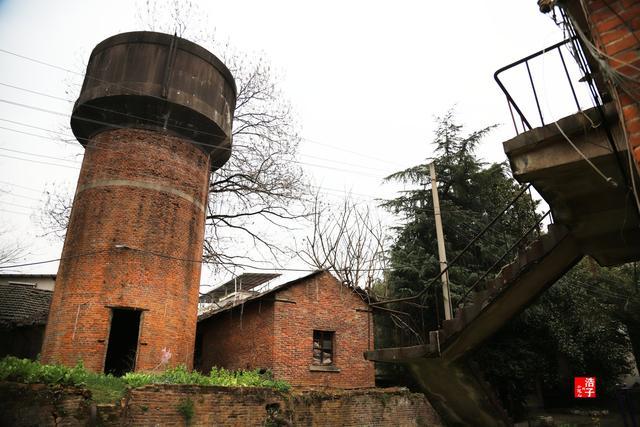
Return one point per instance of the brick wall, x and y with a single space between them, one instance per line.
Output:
39 405
615 28
159 405
241 338
276 332
238 407
322 303
145 190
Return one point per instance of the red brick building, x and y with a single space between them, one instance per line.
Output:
311 331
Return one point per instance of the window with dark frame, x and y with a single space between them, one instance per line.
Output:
323 348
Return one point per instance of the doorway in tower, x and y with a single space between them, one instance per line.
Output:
123 341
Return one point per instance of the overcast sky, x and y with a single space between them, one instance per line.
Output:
365 79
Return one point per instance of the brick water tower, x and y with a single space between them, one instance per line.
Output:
154 115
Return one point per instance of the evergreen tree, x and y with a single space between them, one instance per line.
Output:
575 329
471 195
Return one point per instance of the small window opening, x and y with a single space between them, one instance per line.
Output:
323 347
123 342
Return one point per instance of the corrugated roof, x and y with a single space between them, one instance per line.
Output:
23 305
244 282
280 287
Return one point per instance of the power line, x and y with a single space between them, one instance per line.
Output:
467 213
27 264
203 261
38 161
39 155
322 189
21 186
158 122
22 197
45 110
17 205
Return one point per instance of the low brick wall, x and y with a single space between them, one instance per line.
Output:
180 405
43 406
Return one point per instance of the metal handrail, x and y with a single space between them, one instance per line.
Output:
501 259
457 257
512 103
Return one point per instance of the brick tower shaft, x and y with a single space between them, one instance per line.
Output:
155 117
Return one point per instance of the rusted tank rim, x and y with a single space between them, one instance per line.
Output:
152 37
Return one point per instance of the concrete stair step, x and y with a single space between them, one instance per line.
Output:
535 250
508 272
480 298
434 339
493 286
557 231
452 326
469 312
522 259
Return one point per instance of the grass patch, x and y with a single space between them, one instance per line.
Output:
107 388
104 388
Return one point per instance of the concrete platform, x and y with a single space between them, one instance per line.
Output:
600 214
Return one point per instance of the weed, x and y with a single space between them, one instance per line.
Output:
186 408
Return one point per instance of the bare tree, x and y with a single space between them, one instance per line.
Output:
348 240
261 187
10 252
54 217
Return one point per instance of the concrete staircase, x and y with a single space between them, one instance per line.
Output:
453 387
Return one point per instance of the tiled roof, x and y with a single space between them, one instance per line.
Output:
22 305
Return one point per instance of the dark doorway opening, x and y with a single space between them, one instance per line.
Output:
123 342
197 352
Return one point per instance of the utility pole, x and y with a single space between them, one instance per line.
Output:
442 255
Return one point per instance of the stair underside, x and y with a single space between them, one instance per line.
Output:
601 217
460 396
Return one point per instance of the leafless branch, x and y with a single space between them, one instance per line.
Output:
347 240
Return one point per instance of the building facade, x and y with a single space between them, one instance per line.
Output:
311 332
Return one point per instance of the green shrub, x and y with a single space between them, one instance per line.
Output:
107 388
218 377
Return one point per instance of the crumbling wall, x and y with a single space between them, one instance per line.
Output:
43 406
179 405
223 406
240 338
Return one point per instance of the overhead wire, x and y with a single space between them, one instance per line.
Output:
110 124
470 215
159 122
21 186
87 76
342 149
114 126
